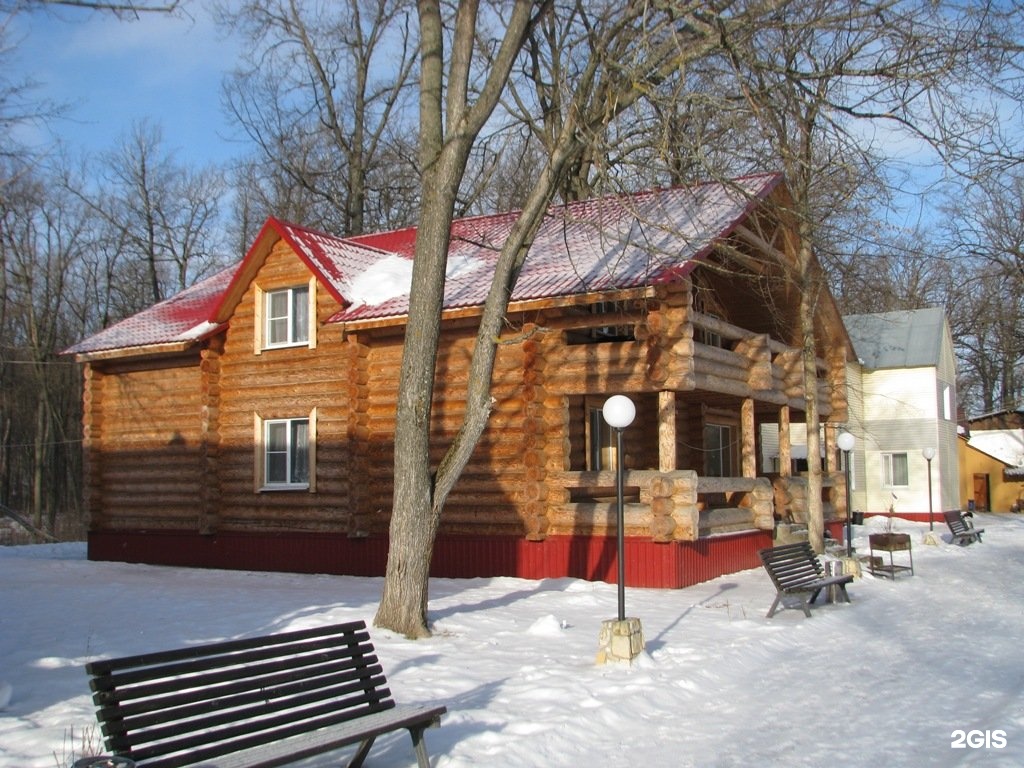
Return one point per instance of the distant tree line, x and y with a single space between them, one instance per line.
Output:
328 97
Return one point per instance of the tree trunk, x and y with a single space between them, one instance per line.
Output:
808 301
38 452
449 125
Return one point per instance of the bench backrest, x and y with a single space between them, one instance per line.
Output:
791 565
955 522
183 706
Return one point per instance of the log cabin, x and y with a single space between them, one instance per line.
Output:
248 421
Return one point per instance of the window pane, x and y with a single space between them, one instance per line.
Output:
276 452
714 452
300 451
896 472
277 436
277 304
277 467
300 314
277 330
900 470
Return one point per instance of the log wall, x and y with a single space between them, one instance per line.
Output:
172 446
145 467
290 382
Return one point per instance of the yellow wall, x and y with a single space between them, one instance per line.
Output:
974 462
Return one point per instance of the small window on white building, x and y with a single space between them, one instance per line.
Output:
895 470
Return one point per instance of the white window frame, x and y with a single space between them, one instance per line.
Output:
296 302
262 439
889 470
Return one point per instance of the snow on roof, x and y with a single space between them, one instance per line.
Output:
1007 445
595 245
381 281
604 244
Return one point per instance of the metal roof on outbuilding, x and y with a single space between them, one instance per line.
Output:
901 339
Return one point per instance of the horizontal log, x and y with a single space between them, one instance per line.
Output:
729 484
728 372
599 519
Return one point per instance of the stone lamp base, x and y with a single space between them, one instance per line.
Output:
620 640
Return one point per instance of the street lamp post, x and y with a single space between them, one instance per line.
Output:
929 454
845 442
619 413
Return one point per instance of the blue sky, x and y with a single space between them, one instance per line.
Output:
111 73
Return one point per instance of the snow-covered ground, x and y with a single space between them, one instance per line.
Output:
892 679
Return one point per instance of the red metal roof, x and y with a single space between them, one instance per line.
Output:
596 245
183 318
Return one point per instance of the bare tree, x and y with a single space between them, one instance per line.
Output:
322 98
985 228
161 217
42 235
127 9
625 52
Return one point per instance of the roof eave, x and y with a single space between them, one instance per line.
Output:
148 350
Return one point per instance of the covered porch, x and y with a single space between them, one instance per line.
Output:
694 467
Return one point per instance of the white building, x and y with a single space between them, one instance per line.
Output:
902 400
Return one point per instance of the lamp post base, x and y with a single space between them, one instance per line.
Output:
620 640
851 566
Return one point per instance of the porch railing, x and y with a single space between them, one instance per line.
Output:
666 506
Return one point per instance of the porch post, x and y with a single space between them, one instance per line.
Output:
666 431
748 438
831 443
785 454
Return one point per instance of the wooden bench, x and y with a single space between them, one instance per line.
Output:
262 701
796 571
963 533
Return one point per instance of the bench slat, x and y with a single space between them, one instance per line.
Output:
303 653
135 732
193 703
243 734
342 735
168 697
104 666
233 677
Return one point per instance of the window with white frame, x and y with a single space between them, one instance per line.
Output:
286 317
895 470
285 457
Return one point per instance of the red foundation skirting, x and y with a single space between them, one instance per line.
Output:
647 564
